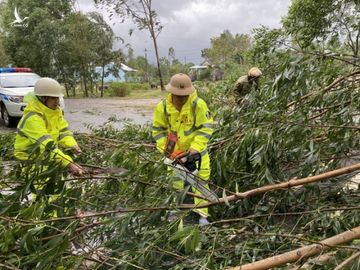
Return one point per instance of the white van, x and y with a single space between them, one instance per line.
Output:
15 83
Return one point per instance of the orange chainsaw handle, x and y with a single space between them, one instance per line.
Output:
177 154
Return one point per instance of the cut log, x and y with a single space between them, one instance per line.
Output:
280 186
301 253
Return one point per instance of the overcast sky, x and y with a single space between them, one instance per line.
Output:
189 24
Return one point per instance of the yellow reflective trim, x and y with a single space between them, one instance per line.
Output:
62 136
64 129
159 136
43 138
27 116
203 134
21 133
159 128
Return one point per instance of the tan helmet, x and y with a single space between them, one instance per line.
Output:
47 87
180 85
254 72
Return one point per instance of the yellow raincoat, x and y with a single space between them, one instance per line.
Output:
193 126
39 126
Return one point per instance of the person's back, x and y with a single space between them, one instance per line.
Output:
244 84
242 87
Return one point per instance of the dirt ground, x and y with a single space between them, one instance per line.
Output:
81 113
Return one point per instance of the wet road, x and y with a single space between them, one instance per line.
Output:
95 112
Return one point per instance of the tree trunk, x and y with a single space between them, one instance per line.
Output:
66 82
91 81
158 64
85 87
301 253
73 87
83 75
153 36
67 90
279 186
102 80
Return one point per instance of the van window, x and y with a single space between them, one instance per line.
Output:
16 80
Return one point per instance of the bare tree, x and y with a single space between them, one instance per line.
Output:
143 15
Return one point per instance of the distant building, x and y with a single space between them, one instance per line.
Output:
196 72
217 73
206 71
114 73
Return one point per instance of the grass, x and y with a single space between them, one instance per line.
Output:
139 94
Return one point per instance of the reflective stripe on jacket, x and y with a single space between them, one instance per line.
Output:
39 126
193 124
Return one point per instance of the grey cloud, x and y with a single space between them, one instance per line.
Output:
189 24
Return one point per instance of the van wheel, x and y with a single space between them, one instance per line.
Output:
8 120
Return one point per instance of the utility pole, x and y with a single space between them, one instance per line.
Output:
146 68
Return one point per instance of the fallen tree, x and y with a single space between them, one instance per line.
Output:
122 222
237 196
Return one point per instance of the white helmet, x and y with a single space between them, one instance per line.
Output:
47 87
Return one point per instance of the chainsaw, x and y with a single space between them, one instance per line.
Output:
188 170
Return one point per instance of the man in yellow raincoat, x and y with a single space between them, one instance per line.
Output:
43 123
186 116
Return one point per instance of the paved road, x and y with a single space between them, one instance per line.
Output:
96 112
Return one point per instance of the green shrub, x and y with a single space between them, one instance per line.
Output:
139 86
118 89
122 89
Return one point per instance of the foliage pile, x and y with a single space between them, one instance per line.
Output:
124 221
302 121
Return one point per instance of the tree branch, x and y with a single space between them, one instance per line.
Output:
325 89
224 200
347 261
